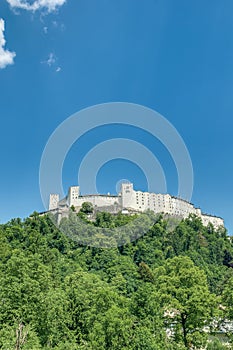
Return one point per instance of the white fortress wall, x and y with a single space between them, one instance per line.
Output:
164 203
142 201
214 220
98 200
135 200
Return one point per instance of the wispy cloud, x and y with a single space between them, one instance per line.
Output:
51 61
6 56
49 5
58 25
53 25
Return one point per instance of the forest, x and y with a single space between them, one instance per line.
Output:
168 289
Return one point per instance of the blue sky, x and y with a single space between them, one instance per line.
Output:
175 57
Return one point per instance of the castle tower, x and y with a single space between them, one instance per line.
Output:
127 195
53 201
73 196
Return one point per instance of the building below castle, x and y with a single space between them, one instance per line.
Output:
130 201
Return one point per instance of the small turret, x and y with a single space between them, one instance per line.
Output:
53 201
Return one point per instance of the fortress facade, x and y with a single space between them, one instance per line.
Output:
130 201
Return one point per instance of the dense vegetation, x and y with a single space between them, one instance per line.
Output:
168 290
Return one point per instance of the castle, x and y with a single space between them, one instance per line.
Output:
130 201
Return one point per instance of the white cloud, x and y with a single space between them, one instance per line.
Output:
52 62
51 59
6 56
50 5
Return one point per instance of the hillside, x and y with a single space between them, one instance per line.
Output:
170 289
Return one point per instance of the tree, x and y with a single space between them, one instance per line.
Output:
216 345
87 208
149 331
104 219
145 272
227 298
187 303
59 293
72 208
19 336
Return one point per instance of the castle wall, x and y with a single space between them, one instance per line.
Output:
158 203
129 199
98 200
164 203
214 220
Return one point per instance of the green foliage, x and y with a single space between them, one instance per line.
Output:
72 208
87 208
58 294
19 337
216 345
187 302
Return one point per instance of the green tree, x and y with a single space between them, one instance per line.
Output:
104 219
19 336
149 331
216 345
227 298
187 303
87 208
60 294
